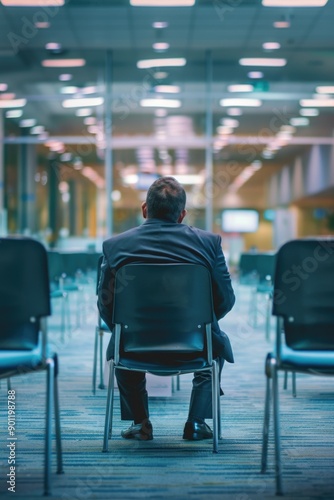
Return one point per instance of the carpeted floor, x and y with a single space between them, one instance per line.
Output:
168 467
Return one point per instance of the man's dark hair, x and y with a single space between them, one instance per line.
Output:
165 199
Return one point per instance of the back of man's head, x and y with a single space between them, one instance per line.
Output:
166 199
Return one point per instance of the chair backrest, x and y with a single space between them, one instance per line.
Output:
24 291
163 307
304 293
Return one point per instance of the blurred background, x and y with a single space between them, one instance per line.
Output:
234 98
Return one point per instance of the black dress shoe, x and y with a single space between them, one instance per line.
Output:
195 431
140 432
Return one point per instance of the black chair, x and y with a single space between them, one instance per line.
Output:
24 305
162 316
303 299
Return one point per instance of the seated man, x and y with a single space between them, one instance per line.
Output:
163 239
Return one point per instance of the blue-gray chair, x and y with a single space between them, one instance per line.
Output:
303 302
163 316
24 306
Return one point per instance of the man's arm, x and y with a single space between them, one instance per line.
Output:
223 294
105 293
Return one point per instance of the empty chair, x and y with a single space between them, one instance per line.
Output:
24 305
162 317
303 298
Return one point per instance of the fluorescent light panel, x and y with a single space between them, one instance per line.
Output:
160 63
309 112
254 103
32 3
160 103
167 89
14 113
162 3
63 63
317 103
294 3
13 103
240 88
262 61
325 89
160 46
83 103
271 45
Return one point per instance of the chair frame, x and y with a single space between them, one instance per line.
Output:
275 363
211 366
49 363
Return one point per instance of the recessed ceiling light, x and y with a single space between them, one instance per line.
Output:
294 3
83 103
53 46
299 122
315 103
230 122
262 61
167 89
13 103
160 75
325 89
281 24
271 45
160 103
83 112
160 46
162 3
63 63
255 74
33 3
70 89
14 113
234 112
3 87
240 88
309 112
42 25
65 77
156 63
160 25
38 129
29 122
241 102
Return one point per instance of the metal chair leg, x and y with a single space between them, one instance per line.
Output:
101 384
60 469
285 384
109 408
48 427
277 436
294 387
265 433
95 358
214 376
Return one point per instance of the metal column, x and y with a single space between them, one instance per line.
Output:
208 147
108 151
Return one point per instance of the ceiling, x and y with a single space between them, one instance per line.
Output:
111 36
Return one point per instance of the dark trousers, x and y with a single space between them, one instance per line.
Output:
134 398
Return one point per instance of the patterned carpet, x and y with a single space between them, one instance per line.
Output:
168 467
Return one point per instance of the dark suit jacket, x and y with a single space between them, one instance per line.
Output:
159 241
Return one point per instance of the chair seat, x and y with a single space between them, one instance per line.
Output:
11 359
307 360
159 365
